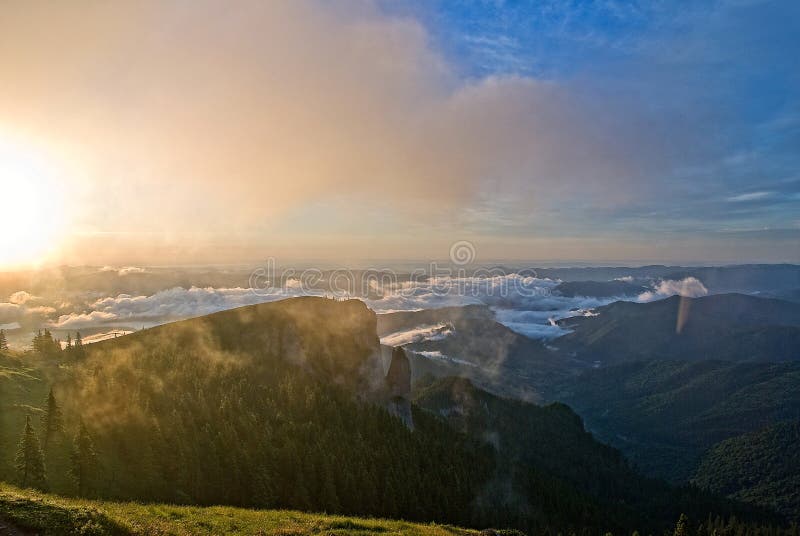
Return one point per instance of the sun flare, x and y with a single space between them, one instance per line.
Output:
31 215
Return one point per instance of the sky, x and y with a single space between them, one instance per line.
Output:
213 132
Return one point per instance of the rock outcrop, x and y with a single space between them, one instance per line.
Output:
398 379
398 386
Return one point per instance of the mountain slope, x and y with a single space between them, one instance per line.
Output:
551 468
59 516
665 414
761 467
600 289
469 342
731 327
285 405
273 405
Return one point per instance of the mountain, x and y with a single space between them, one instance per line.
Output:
732 327
664 415
286 405
547 457
600 289
717 279
761 467
469 342
273 405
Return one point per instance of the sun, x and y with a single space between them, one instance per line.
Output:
31 206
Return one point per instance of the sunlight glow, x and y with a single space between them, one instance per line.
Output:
31 213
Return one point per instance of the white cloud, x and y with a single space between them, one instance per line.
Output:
436 354
523 304
418 334
690 287
22 297
165 306
84 320
751 196
124 270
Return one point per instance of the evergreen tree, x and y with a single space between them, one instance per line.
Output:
45 345
69 342
51 419
3 341
78 344
37 342
682 528
84 460
30 460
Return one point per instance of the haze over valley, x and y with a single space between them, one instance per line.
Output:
508 268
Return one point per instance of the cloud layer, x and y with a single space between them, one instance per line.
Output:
199 129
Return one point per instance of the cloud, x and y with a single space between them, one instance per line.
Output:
418 334
43 310
689 287
10 312
751 196
125 270
84 320
165 306
521 303
22 297
198 120
436 354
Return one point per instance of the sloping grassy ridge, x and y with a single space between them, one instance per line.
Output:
51 514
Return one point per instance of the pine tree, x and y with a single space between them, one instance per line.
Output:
682 528
78 345
3 341
37 342
69 342
29 460
84 459
51 419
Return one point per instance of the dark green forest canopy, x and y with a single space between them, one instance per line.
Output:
278 405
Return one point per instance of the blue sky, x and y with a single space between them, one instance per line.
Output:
717 84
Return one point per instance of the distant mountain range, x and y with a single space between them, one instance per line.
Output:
663 381
688 389
731 327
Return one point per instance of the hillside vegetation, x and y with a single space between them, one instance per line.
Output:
761 467
53 515
729 327
665 414
284 406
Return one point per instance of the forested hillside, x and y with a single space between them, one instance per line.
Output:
255 407
730 327
761 467
665 414
551 468
284 405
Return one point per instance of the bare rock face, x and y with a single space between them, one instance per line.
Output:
398 379
398 387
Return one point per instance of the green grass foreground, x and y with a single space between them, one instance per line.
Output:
51 514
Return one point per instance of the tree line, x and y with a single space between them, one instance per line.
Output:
46 345
30 459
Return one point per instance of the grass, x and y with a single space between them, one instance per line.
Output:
51 514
